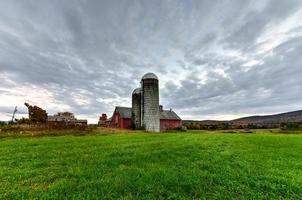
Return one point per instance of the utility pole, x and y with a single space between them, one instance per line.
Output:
13 117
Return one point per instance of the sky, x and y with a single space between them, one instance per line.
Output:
215 59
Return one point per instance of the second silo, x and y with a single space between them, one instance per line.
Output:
150 103
136 108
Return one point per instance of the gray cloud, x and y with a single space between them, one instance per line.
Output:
214 58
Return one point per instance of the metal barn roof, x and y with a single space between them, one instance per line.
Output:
169 114
125 112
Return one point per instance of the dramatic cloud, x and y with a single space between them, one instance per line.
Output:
215 59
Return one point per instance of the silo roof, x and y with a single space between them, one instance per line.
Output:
137 91
149 76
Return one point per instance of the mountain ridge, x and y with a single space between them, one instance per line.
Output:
292 116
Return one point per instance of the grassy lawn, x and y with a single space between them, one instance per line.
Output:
152 166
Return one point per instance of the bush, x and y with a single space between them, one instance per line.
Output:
290 126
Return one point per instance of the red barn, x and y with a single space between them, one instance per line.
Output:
121 118
169 120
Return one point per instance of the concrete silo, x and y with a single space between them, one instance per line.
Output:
150 103
136 108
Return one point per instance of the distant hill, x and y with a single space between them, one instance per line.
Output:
204 122
264 120
295 116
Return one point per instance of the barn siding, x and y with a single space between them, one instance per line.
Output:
168 124
115 122
126 123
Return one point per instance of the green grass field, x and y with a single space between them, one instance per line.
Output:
152 166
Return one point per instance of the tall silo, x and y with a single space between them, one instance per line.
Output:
150 102
136 108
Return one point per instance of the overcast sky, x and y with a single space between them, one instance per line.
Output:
216 59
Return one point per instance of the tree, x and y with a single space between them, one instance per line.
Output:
36 114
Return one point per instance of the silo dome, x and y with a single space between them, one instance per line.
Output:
137 91
149 76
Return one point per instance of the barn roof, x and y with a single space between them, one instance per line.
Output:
169 114
125 112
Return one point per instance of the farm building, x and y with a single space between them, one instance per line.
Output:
122 119
65 118
102 120
146 113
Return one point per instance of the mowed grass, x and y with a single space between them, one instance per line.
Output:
152 166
